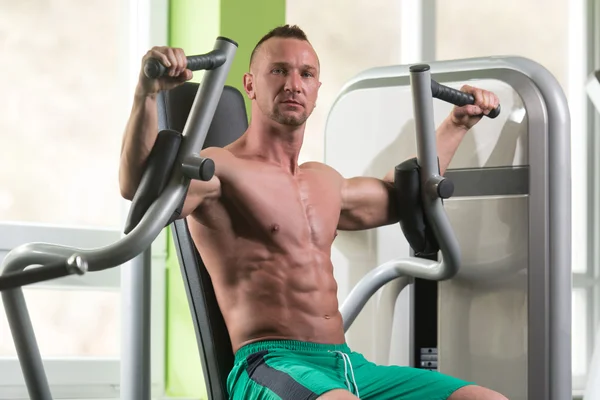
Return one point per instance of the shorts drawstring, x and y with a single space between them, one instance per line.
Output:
346 358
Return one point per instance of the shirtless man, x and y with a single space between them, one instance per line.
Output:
264 226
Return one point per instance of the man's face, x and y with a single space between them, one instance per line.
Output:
284 80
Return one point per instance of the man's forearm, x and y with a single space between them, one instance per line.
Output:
448 138
138 140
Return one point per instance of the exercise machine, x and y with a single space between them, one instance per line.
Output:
195 116
504 320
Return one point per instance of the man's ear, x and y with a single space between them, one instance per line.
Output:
249 85
318 87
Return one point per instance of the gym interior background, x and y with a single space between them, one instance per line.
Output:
68 75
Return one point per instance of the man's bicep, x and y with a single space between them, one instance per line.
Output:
200 192
366 203
203 191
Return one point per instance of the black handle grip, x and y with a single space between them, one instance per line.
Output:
74 265
457 97
153 68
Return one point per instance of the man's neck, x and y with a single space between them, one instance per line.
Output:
276 143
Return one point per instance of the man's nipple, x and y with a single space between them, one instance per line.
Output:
274 228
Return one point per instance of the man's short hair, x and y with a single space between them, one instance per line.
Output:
285 31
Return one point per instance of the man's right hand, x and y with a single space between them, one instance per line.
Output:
177 73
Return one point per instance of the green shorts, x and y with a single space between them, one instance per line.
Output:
285 369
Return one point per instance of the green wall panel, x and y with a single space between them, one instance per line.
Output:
194 26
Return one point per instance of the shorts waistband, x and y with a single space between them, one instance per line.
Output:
292 345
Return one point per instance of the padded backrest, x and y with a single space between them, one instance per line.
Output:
229 123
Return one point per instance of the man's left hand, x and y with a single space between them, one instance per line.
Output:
467 116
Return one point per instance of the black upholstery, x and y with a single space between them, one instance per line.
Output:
229 123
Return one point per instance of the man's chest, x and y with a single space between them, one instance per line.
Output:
299 209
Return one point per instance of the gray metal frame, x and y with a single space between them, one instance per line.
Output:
501 181
549 286
136 292
420 79
130 246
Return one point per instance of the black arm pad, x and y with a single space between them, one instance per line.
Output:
156 175
413 220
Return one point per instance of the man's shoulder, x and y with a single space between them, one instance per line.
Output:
218 152
317 166
223 157
229 153
322 168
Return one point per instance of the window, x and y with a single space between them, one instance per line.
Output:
65 111
75 67
362 36
76 320
52 313
592 275
480 29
